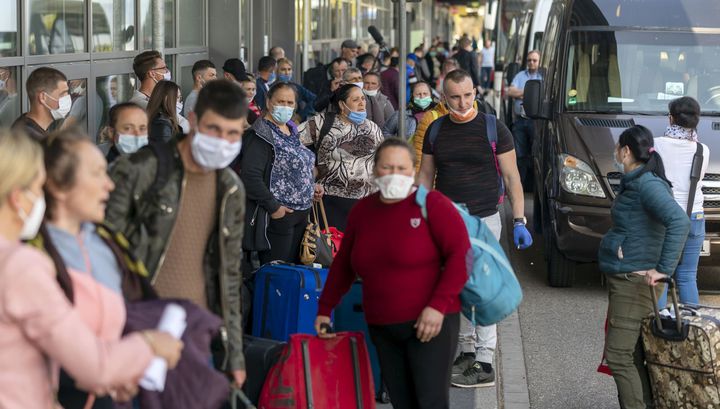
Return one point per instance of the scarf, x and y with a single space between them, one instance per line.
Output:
678 132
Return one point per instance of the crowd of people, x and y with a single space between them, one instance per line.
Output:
198 191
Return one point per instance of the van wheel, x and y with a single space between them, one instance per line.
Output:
561 270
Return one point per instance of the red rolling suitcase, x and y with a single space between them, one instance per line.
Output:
321 374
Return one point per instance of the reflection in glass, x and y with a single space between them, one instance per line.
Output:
111 90
192 29
146 13
9 96
78 115
8 29
57 27
113 25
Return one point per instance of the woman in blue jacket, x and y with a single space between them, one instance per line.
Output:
644 245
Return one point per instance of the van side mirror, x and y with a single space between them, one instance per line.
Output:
533 101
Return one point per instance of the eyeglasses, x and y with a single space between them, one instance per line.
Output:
165 68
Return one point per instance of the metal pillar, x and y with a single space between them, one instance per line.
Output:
158 38
306 38
402 36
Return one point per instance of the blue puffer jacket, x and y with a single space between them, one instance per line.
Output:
649 228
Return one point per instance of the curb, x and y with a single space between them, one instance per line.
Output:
513 388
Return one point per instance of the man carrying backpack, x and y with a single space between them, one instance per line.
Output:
471 159
183 211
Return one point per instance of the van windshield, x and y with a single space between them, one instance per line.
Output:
641 71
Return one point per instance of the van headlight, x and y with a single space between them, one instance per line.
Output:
577 177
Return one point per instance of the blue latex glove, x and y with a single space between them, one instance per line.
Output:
522 236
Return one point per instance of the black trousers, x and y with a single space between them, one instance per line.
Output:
337 210
285 236
417 374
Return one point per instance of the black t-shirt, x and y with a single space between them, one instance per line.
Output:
30 127
466 170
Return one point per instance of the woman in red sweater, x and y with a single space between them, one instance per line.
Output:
413 271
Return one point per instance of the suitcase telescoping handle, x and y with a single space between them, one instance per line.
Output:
673 296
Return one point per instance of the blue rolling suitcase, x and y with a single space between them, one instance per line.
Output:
286 300
349 316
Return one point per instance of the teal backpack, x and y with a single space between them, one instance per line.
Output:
492 291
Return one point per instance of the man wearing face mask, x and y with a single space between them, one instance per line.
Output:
128 125
463 164
306 98
196 217
50 101
265 77
203 71
150 68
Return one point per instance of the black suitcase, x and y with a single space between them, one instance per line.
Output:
261 354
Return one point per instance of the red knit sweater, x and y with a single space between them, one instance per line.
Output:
406 263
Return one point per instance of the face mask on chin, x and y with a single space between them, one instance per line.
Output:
462 116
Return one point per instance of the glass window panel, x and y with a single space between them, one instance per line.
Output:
192 18
113 25
111 90
57 27
10 101
186 81
9 30
147 23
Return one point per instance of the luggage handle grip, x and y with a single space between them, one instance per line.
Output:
678 313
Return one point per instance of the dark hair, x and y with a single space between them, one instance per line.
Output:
163 101
266 63
277 87
419 83
364 58
201 65
61 162
685 112
117 109
464 42
641 143
43 79
339 61
394 61
342 94
224 97
395 142
144 62
418 48
456 76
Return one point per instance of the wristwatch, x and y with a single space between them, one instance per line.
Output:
520 220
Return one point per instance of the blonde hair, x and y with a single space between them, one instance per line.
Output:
20 161
284 61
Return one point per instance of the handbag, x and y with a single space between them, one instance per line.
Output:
317 244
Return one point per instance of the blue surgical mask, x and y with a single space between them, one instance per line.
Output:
618 165
128 144
272 78
284 78
282 114
357 117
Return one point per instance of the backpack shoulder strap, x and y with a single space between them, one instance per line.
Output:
434 129
326 127
164 156
491 127
421 200
695 173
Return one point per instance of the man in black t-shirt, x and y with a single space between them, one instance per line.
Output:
461 161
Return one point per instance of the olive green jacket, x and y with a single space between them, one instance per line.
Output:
148 219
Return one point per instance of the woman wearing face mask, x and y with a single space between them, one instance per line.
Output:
164 110
128 125
344 153
643 245
250 87
39 329
306 98
677 148
95 267
410 291
277 171
421 103
379 108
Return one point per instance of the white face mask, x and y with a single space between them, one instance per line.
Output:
128 144
395 186
167 76
359 84
64 106
371 93
178 107
213 153
32 221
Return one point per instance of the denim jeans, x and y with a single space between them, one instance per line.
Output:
524 134
485 75
686 272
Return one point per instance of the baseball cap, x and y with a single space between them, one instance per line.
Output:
349 44
235 67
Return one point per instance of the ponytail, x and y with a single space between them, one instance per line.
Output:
641 143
